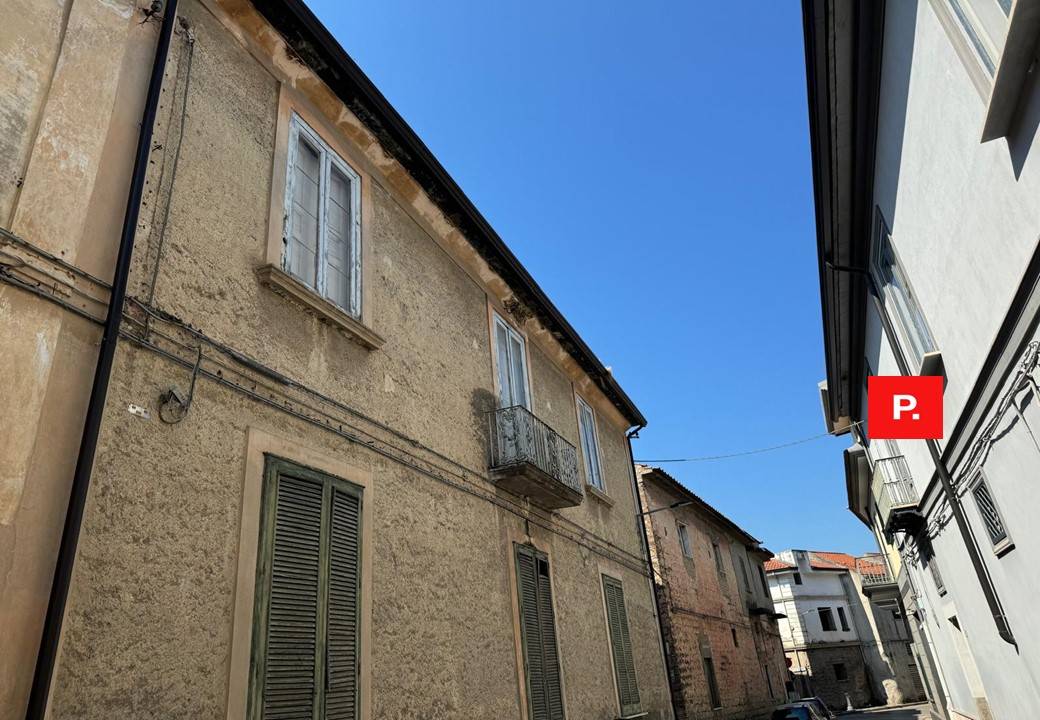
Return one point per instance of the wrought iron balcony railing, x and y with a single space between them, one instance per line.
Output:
895 495
530 458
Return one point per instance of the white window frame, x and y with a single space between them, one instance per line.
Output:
979 31
685 544
328 159
904 306
511 332
589 436
989 21
984 24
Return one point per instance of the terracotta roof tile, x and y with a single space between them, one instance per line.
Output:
871 565
828 560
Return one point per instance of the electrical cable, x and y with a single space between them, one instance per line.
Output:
459 478
705 458
189 39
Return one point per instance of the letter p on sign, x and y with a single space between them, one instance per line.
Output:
904 407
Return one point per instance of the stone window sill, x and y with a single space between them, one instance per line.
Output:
283 284
595 492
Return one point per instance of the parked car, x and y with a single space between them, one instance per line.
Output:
797 711
819 705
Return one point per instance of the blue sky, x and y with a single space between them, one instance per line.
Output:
649 164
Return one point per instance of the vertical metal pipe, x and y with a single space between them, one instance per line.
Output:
48 652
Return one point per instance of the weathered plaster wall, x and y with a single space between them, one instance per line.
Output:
64 69
30 40
149 626
150 618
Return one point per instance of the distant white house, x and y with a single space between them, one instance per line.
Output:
845 639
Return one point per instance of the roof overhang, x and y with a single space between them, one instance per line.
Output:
663 479
760 551
843 67
319 50
835 426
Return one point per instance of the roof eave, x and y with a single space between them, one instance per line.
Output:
318 49
843 69
681 490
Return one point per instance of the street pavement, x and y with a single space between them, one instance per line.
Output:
907 712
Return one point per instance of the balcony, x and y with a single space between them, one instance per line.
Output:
895 496
878 583
761 607
529 458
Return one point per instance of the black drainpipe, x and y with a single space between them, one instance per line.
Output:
48 653
970 544
673 691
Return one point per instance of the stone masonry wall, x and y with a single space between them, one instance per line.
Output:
706 615
825 683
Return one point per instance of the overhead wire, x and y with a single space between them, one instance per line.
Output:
756 451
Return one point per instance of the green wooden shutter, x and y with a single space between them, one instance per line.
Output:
538 631
621 646
341 666
290 654
550 652
305 642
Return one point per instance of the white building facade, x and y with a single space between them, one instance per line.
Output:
844 640
923 116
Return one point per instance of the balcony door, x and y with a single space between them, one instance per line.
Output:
511 361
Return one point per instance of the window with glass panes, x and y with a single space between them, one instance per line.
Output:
898 296
590 444
511 361
322 235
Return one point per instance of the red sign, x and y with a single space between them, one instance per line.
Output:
905 407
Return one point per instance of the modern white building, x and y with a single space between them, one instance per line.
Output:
845 640
923 118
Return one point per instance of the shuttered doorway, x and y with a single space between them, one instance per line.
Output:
305 633
538 631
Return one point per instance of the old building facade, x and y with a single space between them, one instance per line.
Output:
725 657
352 461
844 640
924 117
